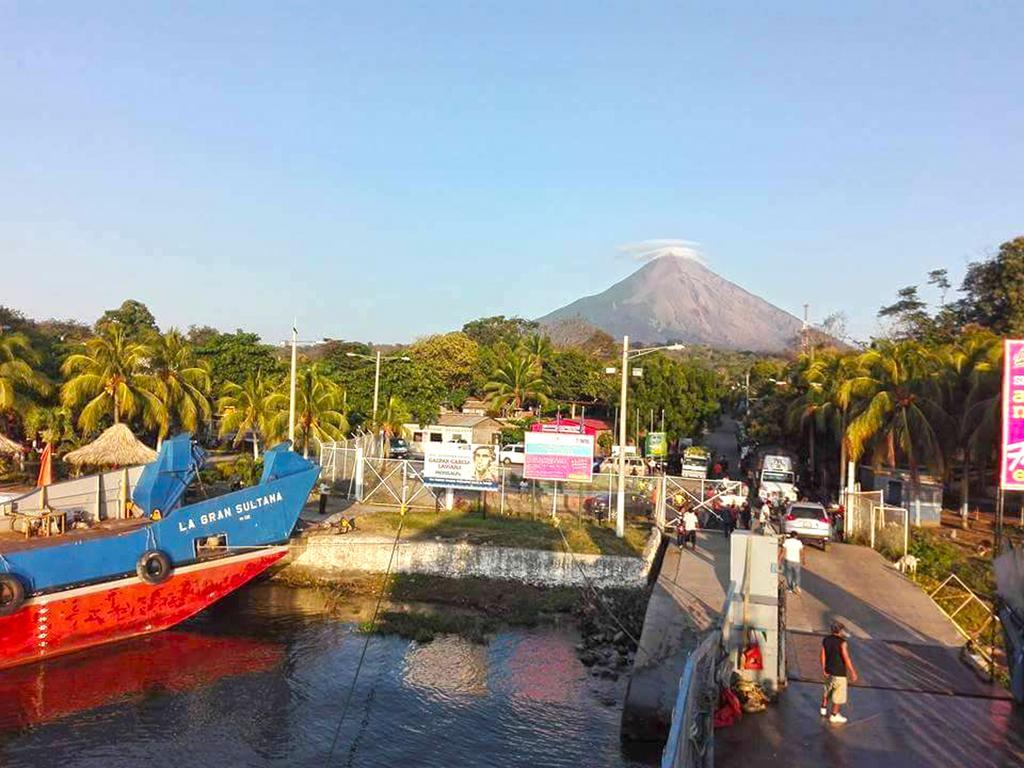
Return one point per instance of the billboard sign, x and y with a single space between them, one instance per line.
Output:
657 444
562 457
461 465
1011 462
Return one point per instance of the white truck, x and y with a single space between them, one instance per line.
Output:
776 479
695 463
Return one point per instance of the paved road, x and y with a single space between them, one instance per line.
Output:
722 442
873 599
916 704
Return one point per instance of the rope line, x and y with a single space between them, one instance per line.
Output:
366 643
593 589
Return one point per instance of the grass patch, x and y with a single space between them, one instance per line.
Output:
423 626
472 527
421 607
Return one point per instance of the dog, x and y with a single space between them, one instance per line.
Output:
907 564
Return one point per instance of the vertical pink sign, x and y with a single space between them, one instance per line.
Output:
1011 464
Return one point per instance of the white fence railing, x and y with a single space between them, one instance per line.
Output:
869 520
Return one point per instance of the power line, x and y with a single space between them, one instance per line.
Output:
366 643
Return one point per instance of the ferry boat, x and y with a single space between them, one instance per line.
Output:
120 554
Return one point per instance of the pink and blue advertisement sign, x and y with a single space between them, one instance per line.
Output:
560 457
1011 465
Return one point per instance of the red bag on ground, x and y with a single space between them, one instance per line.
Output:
729 711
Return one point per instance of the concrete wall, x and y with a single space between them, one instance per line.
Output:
329 555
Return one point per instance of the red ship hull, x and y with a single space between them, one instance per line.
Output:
68 621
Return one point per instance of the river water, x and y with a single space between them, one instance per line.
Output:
261 679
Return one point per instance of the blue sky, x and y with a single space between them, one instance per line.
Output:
387 170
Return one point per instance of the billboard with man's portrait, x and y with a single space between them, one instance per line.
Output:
466 466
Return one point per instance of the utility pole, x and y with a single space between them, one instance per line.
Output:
291 397
376 388
620 499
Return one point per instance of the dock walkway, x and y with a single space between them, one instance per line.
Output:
916 704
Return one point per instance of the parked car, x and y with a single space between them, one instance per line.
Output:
635 465
512 454
398 448
809 521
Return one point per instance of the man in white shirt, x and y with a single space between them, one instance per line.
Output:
690 524
792 550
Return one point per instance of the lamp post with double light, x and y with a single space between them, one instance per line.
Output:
627 355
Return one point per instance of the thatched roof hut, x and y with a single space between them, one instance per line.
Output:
9 447
116 447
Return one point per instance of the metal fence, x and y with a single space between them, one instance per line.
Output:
354 474
691 736
972 616
872 522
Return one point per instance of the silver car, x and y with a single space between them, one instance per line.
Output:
809 521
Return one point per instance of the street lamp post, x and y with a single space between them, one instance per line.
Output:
376 374
620 502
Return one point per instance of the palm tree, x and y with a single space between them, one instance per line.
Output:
822 404
246 407
969 374
538 348
184 384
54 424
394 417
320 406
896 414
516 381
18 374
109 376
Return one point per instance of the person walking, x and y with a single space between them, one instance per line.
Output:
792 554
836 665
764 515
690 524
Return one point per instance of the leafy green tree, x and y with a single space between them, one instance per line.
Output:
108 377
516 382
417 386
319 409
688 393
247 407
133 317
20 381
452 356
491 331
909 315
237 357
574 376
184 384
994 291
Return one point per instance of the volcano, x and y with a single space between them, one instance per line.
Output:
675 299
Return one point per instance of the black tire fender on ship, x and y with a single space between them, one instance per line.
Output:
12 594
154 567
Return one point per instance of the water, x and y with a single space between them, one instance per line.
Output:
261 678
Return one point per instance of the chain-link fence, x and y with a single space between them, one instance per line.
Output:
356 475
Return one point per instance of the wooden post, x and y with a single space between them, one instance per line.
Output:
122 501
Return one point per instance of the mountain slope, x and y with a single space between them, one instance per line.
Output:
676 299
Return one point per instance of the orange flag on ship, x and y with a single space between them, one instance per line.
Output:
45 467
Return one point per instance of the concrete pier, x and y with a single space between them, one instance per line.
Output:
686 602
